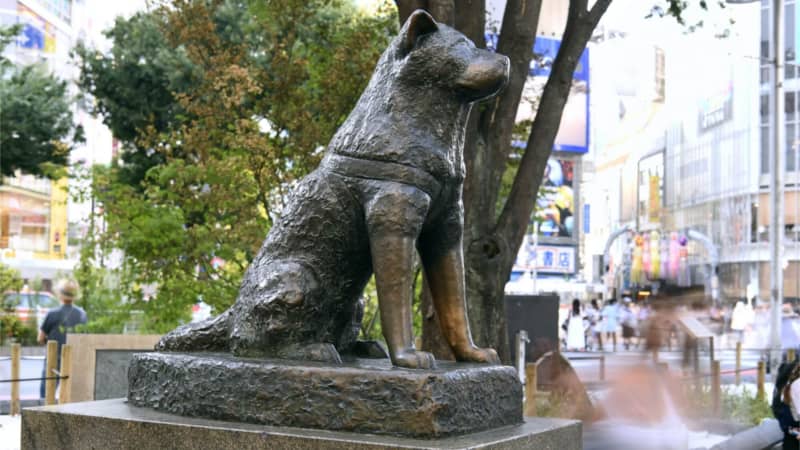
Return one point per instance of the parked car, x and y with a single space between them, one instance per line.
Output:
29 307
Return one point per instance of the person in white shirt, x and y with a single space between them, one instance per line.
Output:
791 396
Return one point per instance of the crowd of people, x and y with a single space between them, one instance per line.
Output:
595 328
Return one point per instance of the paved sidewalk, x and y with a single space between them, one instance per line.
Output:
10 429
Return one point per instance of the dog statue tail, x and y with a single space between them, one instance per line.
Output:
208 335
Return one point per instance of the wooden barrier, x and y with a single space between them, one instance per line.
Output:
791 355
50 372
66 371
531 378
716 388
762 373
738 375
15 361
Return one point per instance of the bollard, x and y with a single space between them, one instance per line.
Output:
66 371
522 339
530 389
711 349
716 388
791 355
15 360
51 367
761 376
738 363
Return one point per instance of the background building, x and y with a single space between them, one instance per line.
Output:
37 216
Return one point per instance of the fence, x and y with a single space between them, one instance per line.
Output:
714 374
53 374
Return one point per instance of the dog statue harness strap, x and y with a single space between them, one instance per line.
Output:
382 170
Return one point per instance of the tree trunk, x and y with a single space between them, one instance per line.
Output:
491 242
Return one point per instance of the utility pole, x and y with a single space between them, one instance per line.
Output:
776 200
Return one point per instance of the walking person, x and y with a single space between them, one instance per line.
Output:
593 330
628 319
786 404
59 322
576 339
610 315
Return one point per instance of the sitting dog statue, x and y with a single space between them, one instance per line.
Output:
389 186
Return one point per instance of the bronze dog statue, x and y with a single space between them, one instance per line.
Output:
389 185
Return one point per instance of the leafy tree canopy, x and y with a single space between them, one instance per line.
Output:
36 128
249 93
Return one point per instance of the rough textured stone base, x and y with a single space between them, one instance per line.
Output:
365 396
114 424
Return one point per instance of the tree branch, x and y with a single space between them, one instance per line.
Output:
486 150
597 11
514 219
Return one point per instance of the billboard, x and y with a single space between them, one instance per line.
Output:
555 205
573 133
37 33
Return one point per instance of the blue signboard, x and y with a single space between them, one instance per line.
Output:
586 225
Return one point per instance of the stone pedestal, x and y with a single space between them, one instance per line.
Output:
364 396
118 425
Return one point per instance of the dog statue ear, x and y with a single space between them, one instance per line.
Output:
418 24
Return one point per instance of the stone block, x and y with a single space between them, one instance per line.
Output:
365 396
119 425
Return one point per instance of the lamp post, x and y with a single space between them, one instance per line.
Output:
777 166
776 200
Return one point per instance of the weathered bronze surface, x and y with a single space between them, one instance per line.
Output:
389 186
366 396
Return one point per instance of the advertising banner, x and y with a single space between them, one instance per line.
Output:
555 206
573 133
37 33
654 210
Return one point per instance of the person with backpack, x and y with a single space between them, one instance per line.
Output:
59 322
786 403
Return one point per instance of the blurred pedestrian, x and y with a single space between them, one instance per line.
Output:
610 316
576 339
791 397
739 321
593 329
59 322
628 320
642 323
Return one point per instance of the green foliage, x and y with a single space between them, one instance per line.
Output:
677 8
36 117
371 324
248 96
741 407
133 87
11 327
10 279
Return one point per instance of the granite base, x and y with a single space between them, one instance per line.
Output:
115 424
363 396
